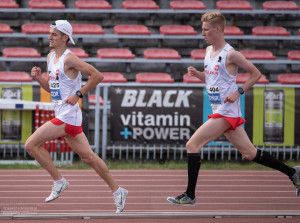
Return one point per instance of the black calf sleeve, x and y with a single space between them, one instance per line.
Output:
266 159
194 164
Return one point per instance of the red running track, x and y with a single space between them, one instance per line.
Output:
218 192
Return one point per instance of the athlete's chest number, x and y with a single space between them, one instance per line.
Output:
54 85
213 89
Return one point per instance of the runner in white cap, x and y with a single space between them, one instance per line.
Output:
64 83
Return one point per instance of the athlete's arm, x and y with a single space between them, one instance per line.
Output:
36 75
192 71
238 59
72 62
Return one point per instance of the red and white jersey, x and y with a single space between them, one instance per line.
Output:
219 83
61 86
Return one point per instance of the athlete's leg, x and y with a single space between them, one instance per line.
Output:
81 146
240 140
34 147
206 133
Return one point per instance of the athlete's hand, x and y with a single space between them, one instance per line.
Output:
232 97
192 71
72 99
36 73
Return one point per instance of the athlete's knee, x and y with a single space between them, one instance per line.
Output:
191 147
30 146
88 159
249 155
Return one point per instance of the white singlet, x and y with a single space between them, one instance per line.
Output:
61 86
219 84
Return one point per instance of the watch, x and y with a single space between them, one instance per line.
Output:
79 94
240 90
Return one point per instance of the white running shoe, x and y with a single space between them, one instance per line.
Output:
120 200
57 189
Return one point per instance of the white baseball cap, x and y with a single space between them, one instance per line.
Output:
65 27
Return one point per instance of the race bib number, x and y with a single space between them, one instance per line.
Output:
55 91
214 96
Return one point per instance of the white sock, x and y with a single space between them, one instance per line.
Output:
117 192
61 181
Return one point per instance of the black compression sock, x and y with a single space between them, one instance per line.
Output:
266 159
194 164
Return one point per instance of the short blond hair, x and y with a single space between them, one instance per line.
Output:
215 19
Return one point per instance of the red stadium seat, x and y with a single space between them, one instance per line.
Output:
20 52
46 4
115 53
131 30
258 55
288 79
14 76
294 55
154 78
113 77
92 100
87 29
243 77
109 77
161 54
269 31
182 5
177 30
92 4
139 5
233 5
8 4
191 79
280 5
198 54
35 28
233 30
4 28
79 52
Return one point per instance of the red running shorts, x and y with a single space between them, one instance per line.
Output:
70 129
234 122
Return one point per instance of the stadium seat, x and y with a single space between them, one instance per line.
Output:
92 100
182 5
8 4
131 30
79 52
161 54
280 5
92 4
35 28
46 4
115 53
243 77
198 54
113 77
233 30
4 28
294 55
233 5
14 76
269 31
154 78
20 52
87 29
139 5
288 78
109 77
177 30
258 55
191 79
